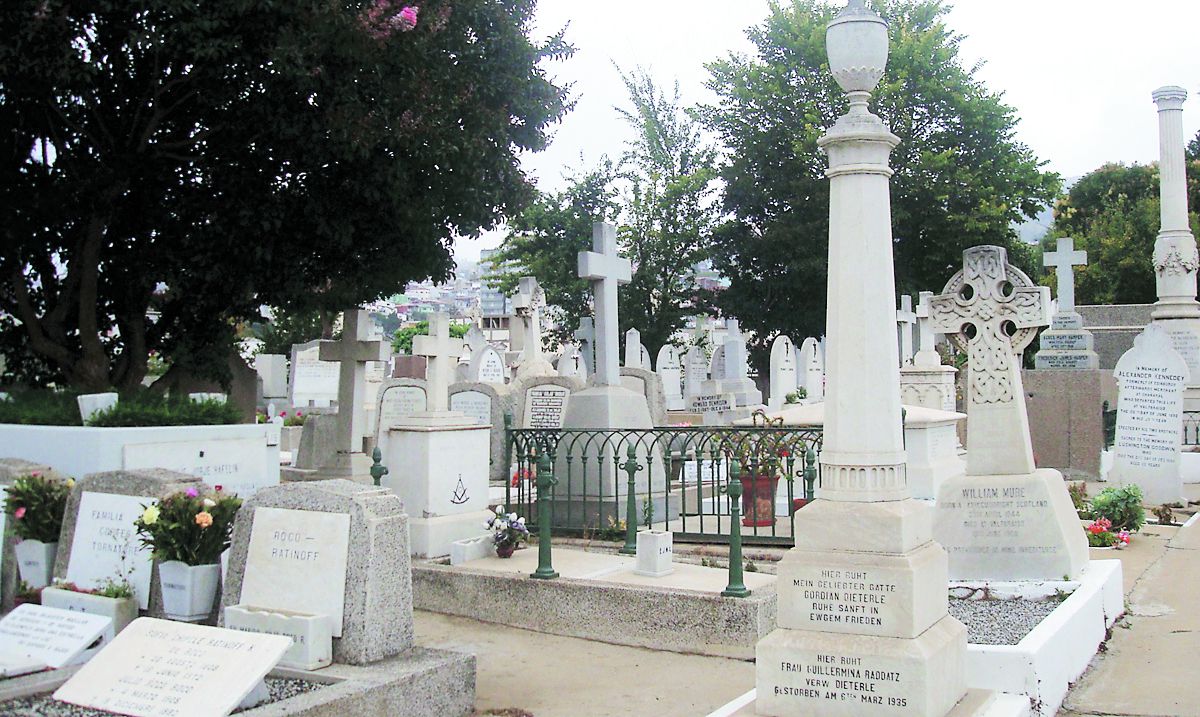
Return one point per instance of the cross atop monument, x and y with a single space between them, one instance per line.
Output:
995 310
528 305
607 270
440 350
353 351
1064 262
735 350
927 355
905 318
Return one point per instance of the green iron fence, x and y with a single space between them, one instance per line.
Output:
677 477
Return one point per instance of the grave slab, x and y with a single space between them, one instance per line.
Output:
57 638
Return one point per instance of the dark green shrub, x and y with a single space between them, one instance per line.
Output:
40 407
1122 506
147 410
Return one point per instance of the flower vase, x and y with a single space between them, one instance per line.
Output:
505 550
188 591
758 500
35 561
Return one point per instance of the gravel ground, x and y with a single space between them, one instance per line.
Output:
1000 622
47 706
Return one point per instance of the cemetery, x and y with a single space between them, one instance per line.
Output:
618 472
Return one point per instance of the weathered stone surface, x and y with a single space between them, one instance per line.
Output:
377 621
1066 423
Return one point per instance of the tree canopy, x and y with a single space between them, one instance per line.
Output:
961 179
1113 214
170 167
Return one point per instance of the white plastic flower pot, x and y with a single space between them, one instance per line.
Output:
122 611
312 635
188 591
35 561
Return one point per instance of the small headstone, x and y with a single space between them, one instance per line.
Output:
476 404
162 667
670 372
783 370
695 370
905 321
272 369
545 406
288 548
105 544
1151 378
812 370
92 403
654 553
399 398
56 638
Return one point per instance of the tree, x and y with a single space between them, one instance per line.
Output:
170 167
1113 214
669 211
961 179
545 240
402 340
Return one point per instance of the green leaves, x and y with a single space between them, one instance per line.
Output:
194 529
35 506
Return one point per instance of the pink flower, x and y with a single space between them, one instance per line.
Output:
19 513
282 414
192 492
407 19
204 519
217 488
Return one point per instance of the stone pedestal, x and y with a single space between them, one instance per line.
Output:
929 386
438 466
1066 345
1010 527
931 443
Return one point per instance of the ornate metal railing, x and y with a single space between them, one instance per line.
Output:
677 477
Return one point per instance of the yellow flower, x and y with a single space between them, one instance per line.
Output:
70 482
150 515
203 519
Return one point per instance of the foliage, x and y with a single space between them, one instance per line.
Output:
35 505
287 328
545 240
1164 514
508 529
1079 499
202 159
1121 506
961 178
297 418
402 340
796 396
1100 534
41 407
109 587
189 526
147 409
1113 214
670 211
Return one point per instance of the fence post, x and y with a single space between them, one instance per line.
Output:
545 481
736 587
810 473
631 467
378 470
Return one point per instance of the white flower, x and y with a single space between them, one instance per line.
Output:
512 516
499 510
209 503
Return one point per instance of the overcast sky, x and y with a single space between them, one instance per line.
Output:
1079 73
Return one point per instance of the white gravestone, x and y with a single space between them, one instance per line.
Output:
272 369
905 321
54 637
92 403
545 406
783 370
297 561
162 668
671 372
105 543
235 464
313 382
1150 380
398 402
476 404
812 367
695 370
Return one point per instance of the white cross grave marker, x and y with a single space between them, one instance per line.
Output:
995 310
353 351
905 318
927 355
1064 262
607 270
440 350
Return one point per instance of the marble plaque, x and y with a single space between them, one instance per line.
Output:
1066 361
297 561
235 464
491 366
313 380
476 404
711 403
400 401
55 637
1186 342
105 543
1054 341
545 406
162 668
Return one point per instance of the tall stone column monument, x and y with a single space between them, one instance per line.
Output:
1175 256
862 621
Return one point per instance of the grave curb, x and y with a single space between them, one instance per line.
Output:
674 620
421 682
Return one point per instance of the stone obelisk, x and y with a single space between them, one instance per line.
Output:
862 622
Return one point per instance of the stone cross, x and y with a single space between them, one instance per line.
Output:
995 310
735 350
607 270
353 351
440 351
527 305
1064 262
927 355
586 336
905 318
